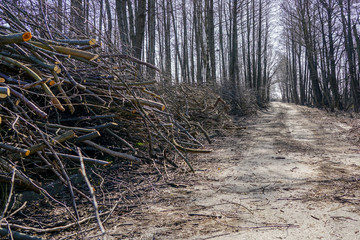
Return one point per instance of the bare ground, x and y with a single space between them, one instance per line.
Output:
292 174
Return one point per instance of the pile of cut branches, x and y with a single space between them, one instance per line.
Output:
197 106
62 103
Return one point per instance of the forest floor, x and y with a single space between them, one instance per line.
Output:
293 173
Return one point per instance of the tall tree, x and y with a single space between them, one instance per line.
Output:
151 34
131 21
249 69
307 28
259 50
123 23
330 7
185 47
221 41
349 48
198 41
76 13
109 21
59 19
139 27
166 22
211 39
233 65
177 47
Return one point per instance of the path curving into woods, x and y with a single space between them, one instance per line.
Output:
289 175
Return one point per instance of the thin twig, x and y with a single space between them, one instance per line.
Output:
91 189
48 230
10 195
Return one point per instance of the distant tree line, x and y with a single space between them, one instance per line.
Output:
321 62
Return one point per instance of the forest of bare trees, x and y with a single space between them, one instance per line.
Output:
321 62
219 43
227 44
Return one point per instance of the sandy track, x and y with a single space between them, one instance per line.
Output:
289 175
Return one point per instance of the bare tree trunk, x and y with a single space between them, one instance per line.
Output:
101 18
59 20
177 50
192 56
140 28
249 75
185 63
301 80
333 80
294 70
151 33
198 29
234 53
265 76
211 40
349 48
76 14
253 46
109 20
86 16
357 39
310 51
259 49
160 38
166 10
243 48
123 24
131 22
221 39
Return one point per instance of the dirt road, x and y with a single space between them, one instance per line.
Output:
289 175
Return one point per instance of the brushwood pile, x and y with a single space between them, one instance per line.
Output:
66 101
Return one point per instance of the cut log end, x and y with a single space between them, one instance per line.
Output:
26 153
96 56
107 164
92 41
26 36
57 69
57 104
4 92
51 82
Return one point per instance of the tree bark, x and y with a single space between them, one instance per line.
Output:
249 75
301 79
349 48
166 10
185 45
234 54
211 41
123 24
59 20
198 39
139 28
152 35
332 76
221 39
131 22
310 51
109 21
259 49
76 13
